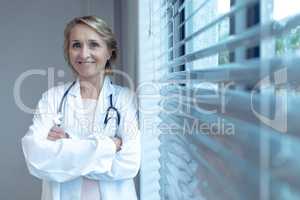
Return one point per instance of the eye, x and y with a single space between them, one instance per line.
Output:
94 44
76 45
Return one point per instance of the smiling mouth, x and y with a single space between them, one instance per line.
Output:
85 62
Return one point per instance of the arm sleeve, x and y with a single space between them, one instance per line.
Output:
63 159
126 163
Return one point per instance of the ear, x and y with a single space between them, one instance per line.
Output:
109 54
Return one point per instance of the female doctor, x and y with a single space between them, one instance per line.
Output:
84 142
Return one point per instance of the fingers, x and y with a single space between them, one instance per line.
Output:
57 129
118 143
54 136
56 133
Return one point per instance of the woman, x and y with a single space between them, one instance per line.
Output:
77 147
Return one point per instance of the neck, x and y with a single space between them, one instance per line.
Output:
90 88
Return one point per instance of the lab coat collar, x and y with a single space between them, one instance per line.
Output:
107 88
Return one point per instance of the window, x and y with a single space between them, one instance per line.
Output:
290 41
228 79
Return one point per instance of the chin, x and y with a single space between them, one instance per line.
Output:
87 75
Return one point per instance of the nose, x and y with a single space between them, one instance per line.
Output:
84 52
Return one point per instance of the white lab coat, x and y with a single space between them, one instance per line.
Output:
61 164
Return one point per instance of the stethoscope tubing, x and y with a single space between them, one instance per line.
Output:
110 108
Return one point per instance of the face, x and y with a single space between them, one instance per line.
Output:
88 52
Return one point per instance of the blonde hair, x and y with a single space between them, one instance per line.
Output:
102 29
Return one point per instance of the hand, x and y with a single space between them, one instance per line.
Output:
57 133
118 143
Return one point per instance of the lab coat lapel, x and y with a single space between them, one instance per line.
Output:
73 111
103 103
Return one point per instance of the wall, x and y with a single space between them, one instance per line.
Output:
126 23
126 13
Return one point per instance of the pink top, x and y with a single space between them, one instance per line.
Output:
90 189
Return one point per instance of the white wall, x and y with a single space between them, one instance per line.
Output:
31 35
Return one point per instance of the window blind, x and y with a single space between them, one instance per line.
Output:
229 99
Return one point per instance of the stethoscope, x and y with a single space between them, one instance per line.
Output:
109 112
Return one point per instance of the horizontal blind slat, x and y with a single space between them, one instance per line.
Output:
232 11
248 38
248 71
